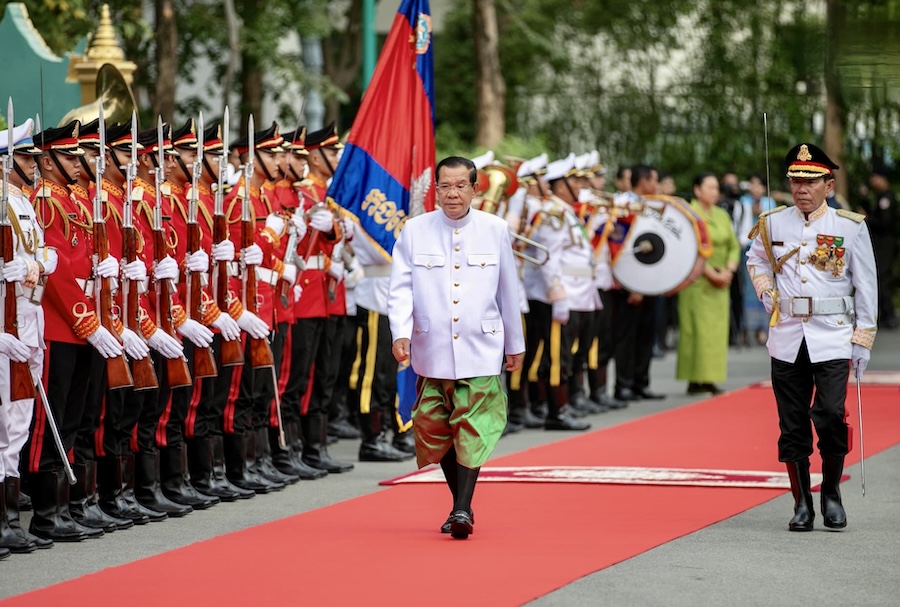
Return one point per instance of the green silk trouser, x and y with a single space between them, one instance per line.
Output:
469 414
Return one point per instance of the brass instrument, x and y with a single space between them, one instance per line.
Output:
113 94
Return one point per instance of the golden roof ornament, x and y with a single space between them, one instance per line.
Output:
803 155
104 46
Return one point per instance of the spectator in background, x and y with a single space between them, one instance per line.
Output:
703 305
753 203
881 214
623 180
729 200
667 184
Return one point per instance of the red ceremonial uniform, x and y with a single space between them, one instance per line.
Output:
316 248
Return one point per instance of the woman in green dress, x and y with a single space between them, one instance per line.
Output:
704 306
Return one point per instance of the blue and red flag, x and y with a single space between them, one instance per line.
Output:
386 172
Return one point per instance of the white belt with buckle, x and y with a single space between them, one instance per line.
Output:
583 271
379 271
313 263
816 306
267 276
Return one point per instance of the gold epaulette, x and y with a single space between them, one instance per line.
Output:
754 231
44 192
857 217
777 209
137 194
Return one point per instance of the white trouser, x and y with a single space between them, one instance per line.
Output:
15 417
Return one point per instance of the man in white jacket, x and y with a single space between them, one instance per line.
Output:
454 309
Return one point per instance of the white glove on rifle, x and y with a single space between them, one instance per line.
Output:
253 325
290 273
275 223
322 221
347 226
108 268
165 344
198 261
199 335
107 345
134 346
15 270
336 270
252 255
353 275
166 269
223 251
136 271
13 348
298 293
860 359
561 312
227 327
299 226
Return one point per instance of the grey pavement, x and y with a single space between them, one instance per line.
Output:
749 559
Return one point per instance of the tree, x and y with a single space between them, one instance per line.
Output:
490 86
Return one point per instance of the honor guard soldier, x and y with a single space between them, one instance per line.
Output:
77 343
25 276
313 359
813 267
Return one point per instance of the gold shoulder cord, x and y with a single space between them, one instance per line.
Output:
30 241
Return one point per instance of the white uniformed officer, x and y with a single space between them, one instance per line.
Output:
814 269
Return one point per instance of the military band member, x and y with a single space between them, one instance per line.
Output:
25 276
454 307
813 267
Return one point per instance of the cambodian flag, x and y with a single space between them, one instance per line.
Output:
386 172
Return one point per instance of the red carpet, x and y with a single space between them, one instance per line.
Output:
530 538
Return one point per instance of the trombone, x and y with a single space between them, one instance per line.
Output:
527 242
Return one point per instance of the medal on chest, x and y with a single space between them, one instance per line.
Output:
829 254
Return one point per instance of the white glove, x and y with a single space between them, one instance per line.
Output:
135 347
336 270
199 335
354 275
167 269
165 344
108 268
275 223
13 348
766 300
347 226
252 255
253 325
299 225
561 312
107 345
227 327
860 359
322 221
15 271
298 293
136 271
198 261
223 251
290 273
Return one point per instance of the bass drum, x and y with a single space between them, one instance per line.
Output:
662 246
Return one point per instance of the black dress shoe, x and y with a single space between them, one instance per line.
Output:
712 388
445 528
626 394
405 441
341 428
381 451
565 422
532 421
461 524
646 394
695 388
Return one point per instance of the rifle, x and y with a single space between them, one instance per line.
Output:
178 374
204 359
141 370
230 352
118 374
290 253
21 383
260 350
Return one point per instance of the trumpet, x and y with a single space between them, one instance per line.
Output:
527 242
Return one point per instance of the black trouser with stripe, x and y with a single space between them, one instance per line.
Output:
822 385
373 377
207 418
306 338
634 334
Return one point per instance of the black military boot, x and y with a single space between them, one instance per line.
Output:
83 501
579 405
200 465
295 455
126 464
374 447
110 489
538 397
237 447
49 521
264 464
12 513
804 514
173 481
557 417
147 490
219 476
9 538
461 522
833 513
315 447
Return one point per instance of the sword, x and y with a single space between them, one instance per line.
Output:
57 439
862 451
281 442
